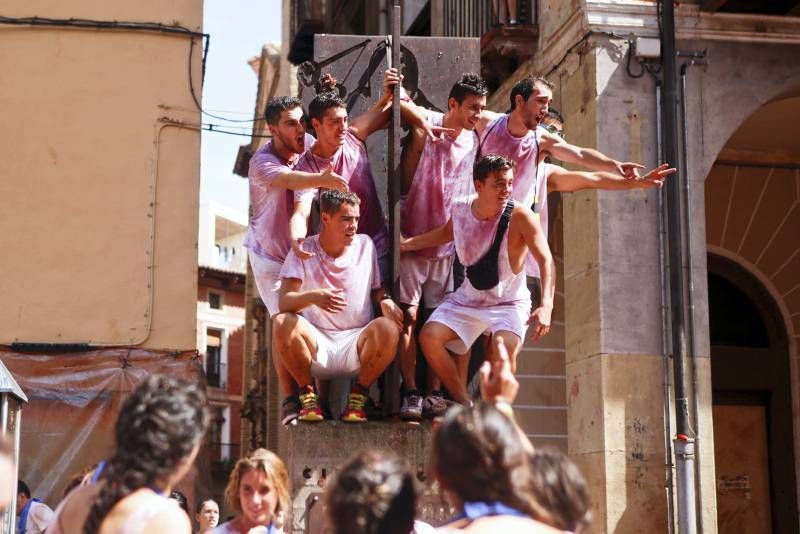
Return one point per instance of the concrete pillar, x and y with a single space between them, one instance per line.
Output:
614 355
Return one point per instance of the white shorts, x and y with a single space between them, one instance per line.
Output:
337 352
267 274
469 323
427 278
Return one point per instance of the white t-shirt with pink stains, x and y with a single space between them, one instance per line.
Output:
530 181
350 161
268 233
472 238
444 173
355 271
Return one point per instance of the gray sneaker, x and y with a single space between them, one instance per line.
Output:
411 409
290 409
435 406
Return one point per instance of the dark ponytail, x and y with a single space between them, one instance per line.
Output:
159 425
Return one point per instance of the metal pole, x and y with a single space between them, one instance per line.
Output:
684 442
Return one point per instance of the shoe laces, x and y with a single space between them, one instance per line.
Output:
357 401
308 400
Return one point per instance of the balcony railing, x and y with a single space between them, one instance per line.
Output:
473 18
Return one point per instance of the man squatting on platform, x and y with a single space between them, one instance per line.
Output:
281 203
492 237
326 328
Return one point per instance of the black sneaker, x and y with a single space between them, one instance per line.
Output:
290 409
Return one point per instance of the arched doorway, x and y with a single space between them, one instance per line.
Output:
752 409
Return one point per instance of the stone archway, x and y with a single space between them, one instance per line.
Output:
752 219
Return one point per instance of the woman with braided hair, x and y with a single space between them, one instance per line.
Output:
258 489
158 433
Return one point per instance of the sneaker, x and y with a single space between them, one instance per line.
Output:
290 409
354 413
309 411
411 409
435 405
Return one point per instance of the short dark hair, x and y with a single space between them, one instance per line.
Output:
331 200
278 105
202 502
491 163
322 102
526 86
180 498
373 494
469 84
561 490
23 488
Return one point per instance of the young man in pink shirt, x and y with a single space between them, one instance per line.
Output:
326 328
436 172
492 237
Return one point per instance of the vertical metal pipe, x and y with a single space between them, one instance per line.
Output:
687 225
687 519
664 329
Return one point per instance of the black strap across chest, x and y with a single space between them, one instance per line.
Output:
485 273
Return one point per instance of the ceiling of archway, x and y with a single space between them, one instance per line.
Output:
771 134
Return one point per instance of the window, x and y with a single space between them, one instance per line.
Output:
215 367
214 300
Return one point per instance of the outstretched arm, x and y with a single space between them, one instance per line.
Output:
298 226
296 180
432 238
586 157
560 179
534 237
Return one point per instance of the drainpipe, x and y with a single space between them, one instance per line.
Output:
664 341
684 440
696 59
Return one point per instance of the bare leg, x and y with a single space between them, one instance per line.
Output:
408 348
433 338
377 346
296 347
288 386
512 11
513 345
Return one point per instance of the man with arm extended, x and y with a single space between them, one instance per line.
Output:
325 329
278 222
492 236
438 172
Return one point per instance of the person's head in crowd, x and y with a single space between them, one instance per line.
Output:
158 433
554 122
23 495
479 457
530 99
81 478
257 490
6 472
286 123
207 515
181 500
373 494
561 490
467 100
339 214
328 114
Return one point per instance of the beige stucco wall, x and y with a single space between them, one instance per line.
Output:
81 111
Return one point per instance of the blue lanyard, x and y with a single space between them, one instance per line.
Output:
22 524
98 471
476 510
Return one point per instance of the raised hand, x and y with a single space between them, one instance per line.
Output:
498 383
391 77
330 180
540 321
330 300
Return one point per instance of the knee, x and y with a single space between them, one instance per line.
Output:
428 336
385 332
283 324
